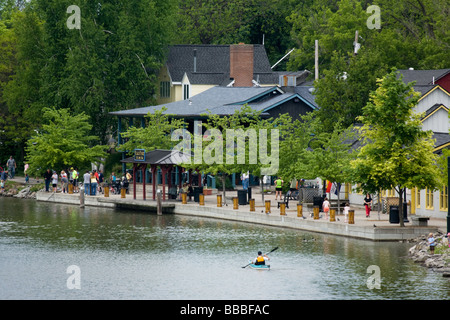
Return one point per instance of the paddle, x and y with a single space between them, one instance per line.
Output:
265 254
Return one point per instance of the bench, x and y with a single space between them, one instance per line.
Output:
421 221
285 201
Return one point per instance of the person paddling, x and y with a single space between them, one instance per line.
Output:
260 259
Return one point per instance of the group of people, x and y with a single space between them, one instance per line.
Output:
64 179
92 181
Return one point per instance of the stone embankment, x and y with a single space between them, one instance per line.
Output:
439 261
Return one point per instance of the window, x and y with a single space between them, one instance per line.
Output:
429 199
185 91
164 89
443 199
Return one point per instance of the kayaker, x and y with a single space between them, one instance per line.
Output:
260 259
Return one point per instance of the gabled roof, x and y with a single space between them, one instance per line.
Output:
423 77
433 109
212 64
442 141
225 101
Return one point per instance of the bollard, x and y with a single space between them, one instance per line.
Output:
70 187
351 216
201 199
252 204
184 198
219 200
123 193
267 205
316 211
235 203
299 210
106 191
82 197
332 215
158 202
282 209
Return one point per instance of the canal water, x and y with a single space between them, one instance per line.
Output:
54 251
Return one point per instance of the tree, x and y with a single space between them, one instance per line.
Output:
64 141
310 151
396 152
155 135
235 143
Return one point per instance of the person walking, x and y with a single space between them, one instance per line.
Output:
368 204
278 188
11 164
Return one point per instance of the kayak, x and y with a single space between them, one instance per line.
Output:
259 266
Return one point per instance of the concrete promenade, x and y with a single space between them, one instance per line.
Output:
375 228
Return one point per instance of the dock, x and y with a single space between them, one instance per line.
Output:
375 228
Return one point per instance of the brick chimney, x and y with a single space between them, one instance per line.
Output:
241 64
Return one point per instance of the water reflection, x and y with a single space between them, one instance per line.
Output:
130 255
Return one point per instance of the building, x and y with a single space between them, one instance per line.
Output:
434 103
219 79
192 69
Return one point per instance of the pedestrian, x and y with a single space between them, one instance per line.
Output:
25 168
2 185
75 179
431 242
87 182
93 184
4 175
11 164
64 181
245 180
100 181
368 204
278 188
47 179
346 209
54 180
326 207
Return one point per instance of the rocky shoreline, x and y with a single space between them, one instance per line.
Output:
439 261
18 190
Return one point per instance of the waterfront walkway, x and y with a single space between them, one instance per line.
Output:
377 227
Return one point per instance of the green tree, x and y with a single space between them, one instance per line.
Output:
63 141
396 152
309 151
232 144
344 88
156 134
